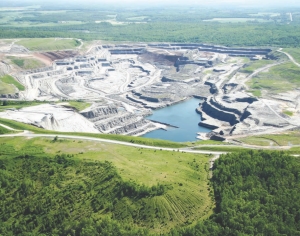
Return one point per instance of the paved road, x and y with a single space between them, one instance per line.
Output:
32 135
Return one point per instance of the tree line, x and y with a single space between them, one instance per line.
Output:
228 34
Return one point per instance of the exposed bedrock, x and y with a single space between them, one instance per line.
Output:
14 96
222 107
113 122
160 59
217 113
227 88
212 48
238 113
149 99
131 127
114 119
100 112
141 68
127 51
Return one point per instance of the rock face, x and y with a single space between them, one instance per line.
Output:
115 119
214 110
12 96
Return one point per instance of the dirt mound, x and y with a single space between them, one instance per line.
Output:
60 54
159 58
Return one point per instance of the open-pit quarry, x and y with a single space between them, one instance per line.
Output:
124 84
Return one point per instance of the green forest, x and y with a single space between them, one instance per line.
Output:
229 27
256 193
40 196
240 34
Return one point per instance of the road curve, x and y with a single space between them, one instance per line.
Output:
289 56
32 135
6 127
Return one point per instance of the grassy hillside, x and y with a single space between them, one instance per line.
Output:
44 44
4 130
284 139
78 105
294 52
26 63
18 104
6 88
281 78
100 187
7 81
254 65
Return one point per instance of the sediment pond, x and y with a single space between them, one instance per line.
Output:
182 115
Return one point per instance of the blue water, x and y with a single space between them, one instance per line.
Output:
182 115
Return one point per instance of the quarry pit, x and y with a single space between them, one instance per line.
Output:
126 82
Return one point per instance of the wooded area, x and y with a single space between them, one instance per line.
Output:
240 34
256 193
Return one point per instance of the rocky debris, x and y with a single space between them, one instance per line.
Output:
65 85
265 115
18 49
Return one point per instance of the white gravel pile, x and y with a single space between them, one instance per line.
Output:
51 117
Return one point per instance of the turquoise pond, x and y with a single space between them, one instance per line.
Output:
184 116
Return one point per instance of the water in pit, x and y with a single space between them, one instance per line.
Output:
184 116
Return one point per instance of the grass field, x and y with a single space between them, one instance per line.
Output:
285 139
281 78
7 79
254 65
6 88
256 92
187 199
3 130
294 52
209 142
26 63
220 148
288 113
41 44
79 105
19 104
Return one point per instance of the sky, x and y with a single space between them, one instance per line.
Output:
204 2
256 3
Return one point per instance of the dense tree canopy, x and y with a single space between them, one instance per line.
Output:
256 193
